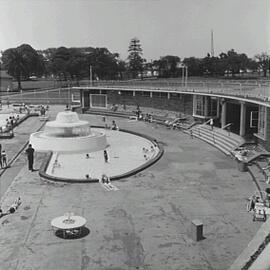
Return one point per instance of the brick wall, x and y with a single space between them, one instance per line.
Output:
182 103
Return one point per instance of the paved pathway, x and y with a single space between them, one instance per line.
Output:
145 224
15 145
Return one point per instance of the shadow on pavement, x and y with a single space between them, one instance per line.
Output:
84 232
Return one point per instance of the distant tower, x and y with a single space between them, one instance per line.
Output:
212 44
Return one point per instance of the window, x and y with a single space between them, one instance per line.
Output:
126 93
75 97
160 94
261 121
139 93
98 101
157 94
146 94
212 108
175 96
199 105
254 119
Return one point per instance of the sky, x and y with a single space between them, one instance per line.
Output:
164 27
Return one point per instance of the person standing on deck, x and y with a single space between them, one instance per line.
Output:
212 123
30 156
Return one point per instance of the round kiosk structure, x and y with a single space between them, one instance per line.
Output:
68 134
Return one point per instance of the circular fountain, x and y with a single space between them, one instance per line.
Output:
68 134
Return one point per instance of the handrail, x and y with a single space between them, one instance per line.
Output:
207 122
228 125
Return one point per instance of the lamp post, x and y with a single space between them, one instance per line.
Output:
184 69
91 81
69 95
186 76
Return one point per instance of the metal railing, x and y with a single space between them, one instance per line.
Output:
226 126
207 122
257 90
48 96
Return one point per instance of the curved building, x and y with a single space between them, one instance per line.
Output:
242 107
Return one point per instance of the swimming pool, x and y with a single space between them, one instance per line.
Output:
4 116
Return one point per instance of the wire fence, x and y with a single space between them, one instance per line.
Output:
48 96
64 95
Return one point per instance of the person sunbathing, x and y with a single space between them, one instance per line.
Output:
14 206
105 179
56 163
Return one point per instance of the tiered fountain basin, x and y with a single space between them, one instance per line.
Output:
68 134
77 151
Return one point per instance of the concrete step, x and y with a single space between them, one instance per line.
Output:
218 139
220 132
221 147
109 113
221 140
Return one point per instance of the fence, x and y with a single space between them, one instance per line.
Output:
52 96
252 90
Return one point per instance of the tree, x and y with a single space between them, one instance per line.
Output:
121 68
135 60
34 61
76 64
168 66
263 61
252 65
236 62
105 64
47 56
59 62
22 62
194 66
15 64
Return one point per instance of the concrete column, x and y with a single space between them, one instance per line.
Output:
82 95
223 113
168 95
243 119
151 94
218 111
134 93
205 101
194 104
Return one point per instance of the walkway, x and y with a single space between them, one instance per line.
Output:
145 224
15 145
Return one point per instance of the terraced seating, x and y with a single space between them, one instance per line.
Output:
217 137
107 112
159 119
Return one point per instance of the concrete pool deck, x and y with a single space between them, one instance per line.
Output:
145 224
